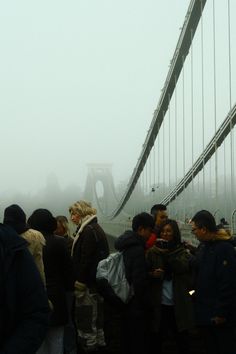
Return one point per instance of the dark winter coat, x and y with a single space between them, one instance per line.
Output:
133 247
175 262
24 311
215 266
88 249
69 242
59 276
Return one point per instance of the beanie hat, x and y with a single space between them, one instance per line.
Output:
16 218
43 220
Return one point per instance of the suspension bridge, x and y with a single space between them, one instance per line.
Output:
188 156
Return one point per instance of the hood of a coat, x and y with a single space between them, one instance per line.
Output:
10 240
15 216
10 243
222 235
129 239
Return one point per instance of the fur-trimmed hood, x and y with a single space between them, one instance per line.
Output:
222 235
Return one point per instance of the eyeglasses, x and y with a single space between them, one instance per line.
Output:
193 230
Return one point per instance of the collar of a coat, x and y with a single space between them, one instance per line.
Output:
180 248
85 222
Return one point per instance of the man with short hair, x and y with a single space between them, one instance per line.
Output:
136 313
159 213
215 296
24 310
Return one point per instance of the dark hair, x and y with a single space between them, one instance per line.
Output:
204 218
63 221
62 218
176 231
144 220
155 208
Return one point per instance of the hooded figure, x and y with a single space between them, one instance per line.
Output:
59 277
15 217
24 310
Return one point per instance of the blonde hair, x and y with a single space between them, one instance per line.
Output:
82 208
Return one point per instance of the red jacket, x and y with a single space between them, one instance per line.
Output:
151 241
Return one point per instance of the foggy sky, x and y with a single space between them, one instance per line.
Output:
80 80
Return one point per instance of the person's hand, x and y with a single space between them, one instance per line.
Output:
157 273
80 289
50 305
189 246
218 320
162 250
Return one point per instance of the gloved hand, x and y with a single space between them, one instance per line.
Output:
50 305
80 289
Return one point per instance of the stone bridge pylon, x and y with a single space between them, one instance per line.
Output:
99 187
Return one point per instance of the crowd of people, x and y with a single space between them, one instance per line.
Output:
50 301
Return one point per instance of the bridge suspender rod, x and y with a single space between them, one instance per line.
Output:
225 199
229 46
176 135
215 115
184 196
222 132
169 146
154 166
163 156
158 161
203 108
185 39
230 105
150 172
192 116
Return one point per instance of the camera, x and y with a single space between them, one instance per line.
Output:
163 244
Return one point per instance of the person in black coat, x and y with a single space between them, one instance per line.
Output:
215 284
24 310
89 247
136 313
59 277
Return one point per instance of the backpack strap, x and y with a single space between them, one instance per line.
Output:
100 244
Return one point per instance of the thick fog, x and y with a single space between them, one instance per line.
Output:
80 81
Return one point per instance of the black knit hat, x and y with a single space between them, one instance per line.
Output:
16 218
42 220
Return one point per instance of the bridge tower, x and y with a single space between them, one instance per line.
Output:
99 187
